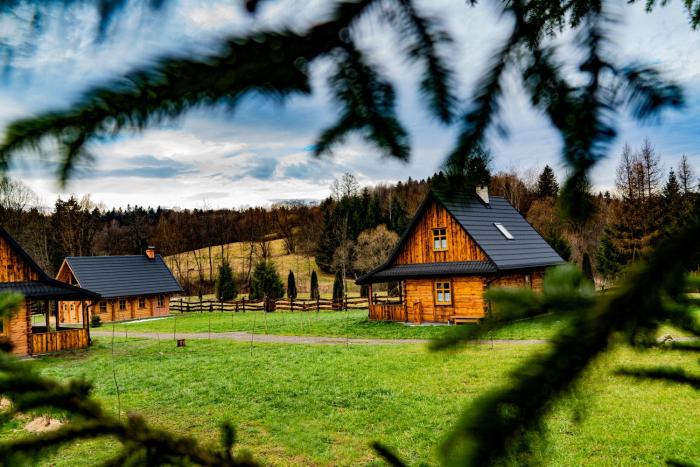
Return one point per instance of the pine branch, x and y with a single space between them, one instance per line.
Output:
496 422
673 375
428 36
273 64
368 103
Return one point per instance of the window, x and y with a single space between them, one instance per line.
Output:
503 230
161 300
443 293
72 307
3 326
439 239
142 302
103 307
122 304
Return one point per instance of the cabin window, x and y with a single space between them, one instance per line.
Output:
122 304
443 293
504 231
103 307
3 326
142 302
439 239
161 300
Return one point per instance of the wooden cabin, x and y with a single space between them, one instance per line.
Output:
456 247
37 327
130 286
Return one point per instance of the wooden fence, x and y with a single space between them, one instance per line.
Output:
283 304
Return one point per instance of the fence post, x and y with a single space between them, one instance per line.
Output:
243 304
318 304
291 304
188 306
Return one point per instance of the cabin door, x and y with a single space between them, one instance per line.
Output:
418 312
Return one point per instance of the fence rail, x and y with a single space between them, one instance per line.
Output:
243 305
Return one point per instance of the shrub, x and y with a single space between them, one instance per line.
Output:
291 286
226 287
314 286
338 291
266 282
95 321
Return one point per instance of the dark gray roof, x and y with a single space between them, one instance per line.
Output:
527 250
123 276
455 268
41 290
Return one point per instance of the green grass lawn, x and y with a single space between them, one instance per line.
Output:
323 405
327 323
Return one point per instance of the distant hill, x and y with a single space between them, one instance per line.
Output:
190 266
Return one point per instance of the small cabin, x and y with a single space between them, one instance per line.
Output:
457 246
130 286
37 327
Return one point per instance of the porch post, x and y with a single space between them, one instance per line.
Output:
48 315
57 319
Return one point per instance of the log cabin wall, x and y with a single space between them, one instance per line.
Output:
112 311
18 329
467 299
418 246
531 279
13 268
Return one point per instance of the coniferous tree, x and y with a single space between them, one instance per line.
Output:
338 290
547 185
291 285
266 282
226 288
314 286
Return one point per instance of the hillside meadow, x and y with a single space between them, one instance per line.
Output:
238 255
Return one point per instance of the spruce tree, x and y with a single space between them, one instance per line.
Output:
266 282
226 288
291 286
314 286
547 185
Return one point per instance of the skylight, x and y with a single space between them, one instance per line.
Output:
504 231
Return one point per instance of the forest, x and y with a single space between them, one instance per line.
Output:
353 230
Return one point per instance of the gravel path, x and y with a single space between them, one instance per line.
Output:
246 337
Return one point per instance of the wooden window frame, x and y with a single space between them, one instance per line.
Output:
122 300
440 237
142 300
103 307
449 289
161 300
4 326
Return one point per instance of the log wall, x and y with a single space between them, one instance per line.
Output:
467 299
418 246
12 266
113 313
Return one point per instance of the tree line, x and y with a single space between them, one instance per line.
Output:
353 230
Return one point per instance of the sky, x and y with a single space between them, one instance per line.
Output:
262 152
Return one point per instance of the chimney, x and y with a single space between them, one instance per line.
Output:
151 252
482 191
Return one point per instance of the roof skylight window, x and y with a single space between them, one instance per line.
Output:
504 231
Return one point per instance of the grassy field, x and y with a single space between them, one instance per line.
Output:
333 324
238 254
323 405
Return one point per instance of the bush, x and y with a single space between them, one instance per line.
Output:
226 287
314 286
291 286
95 321
266 282
338 291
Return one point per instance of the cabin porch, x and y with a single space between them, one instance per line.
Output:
49 332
